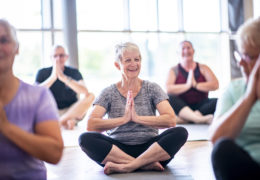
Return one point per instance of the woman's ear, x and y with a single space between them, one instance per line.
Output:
17 49
117 65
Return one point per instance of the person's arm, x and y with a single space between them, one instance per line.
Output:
97 123
230 123
46 144
176 89
166 119
211 83
78 86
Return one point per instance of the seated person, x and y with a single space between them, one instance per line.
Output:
188 84
236 126
132 125
28 135
66 84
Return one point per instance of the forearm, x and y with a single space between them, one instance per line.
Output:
162 121
42 147
76 86
207 86
177 89
100 125
230 124
48 82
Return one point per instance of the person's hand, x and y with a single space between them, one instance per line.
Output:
133 112
128 115
60 75
54 71
190 78
253 85
258 79
3 118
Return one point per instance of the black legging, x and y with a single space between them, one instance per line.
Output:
97 145
207 106
231 162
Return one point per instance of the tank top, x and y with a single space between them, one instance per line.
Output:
193 95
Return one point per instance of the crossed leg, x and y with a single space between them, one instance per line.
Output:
76 111
149 160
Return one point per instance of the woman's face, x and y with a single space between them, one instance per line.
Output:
8 50
187 51
249 55
130 64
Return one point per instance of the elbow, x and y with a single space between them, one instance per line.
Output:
56 154
172 120
90 126
215 85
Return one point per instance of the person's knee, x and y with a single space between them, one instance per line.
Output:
88 139
182 133
221 150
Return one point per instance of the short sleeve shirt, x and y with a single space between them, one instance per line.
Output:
30 106
249 137
146 100
63 95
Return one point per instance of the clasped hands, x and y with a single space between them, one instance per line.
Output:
130 114
253 84
57 72
191 81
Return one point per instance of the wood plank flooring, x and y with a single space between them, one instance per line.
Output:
191 162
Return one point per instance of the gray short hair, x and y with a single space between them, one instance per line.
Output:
57 46
122 47
249 33
10 30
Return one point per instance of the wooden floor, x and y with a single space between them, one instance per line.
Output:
193 159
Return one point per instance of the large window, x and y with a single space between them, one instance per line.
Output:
157 26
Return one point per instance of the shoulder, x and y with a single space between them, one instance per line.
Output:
45 70
152 87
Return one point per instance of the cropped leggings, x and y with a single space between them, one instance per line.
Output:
97 145
231 162
206 106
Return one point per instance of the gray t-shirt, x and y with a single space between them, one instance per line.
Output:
145 105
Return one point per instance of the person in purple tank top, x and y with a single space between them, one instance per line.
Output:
188 84
29 128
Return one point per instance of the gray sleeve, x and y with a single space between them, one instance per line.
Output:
104 99
156 93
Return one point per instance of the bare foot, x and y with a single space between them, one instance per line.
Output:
71 124
207 119
111 168
156 166
181 121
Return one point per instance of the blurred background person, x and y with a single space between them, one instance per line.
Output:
188 84
29 128
236 126
66 84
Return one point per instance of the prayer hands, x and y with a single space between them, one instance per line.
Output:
191 82
253 85
130 114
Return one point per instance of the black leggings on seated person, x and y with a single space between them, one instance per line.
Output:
230 161
97 145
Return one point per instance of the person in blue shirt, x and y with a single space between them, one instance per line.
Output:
236 127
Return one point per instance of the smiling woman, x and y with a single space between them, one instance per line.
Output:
133 141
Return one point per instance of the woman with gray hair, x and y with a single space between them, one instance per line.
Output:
29 128
236 127
132 125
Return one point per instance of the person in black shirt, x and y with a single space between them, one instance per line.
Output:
66 84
